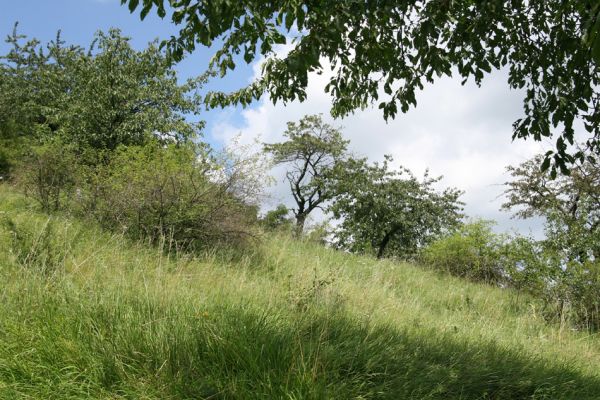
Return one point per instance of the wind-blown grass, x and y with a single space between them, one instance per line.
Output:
88 314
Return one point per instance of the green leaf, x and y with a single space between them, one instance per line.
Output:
160 8
596 50
289 20
146 9
564 169
133 4
546 164
300 14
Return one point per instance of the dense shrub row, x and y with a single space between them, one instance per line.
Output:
151 191
569 288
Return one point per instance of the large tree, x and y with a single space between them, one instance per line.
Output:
32 83
108 95
390 212
384 51
312 150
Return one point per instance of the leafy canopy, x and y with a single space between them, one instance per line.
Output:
99 98
390 212
384 51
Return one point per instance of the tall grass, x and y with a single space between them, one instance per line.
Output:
87 314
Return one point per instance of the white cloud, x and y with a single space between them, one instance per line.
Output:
461 132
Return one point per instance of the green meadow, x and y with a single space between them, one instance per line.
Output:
89 314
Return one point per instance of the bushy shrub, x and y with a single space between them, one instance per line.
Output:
176 190
472 252
583 294
572 294
277 219
526 264
48 174
39 249
173 191
569 289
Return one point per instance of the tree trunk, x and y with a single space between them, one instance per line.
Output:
383 244
386 239
300 219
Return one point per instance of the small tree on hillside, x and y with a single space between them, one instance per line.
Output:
569 203
390 212
312 150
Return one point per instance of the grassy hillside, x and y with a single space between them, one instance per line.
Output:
88 314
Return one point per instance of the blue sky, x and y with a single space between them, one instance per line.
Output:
461 132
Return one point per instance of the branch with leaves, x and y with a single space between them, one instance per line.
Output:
569 203
383 53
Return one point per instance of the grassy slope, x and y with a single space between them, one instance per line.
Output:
87 314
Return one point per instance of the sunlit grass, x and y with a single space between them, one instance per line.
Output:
89 314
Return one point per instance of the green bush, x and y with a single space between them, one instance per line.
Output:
472 252
177 191
584 294
526 264
568 286
14 148
277 219
48 174
173 191
572 295
569 290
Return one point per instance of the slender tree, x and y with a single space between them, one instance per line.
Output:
311 152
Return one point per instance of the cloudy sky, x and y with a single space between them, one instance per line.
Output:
461 132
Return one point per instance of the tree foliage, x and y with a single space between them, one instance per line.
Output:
125 96
570 204
99 98
105 133
49 174
391 49
156 191
277 219
312 151
389 212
